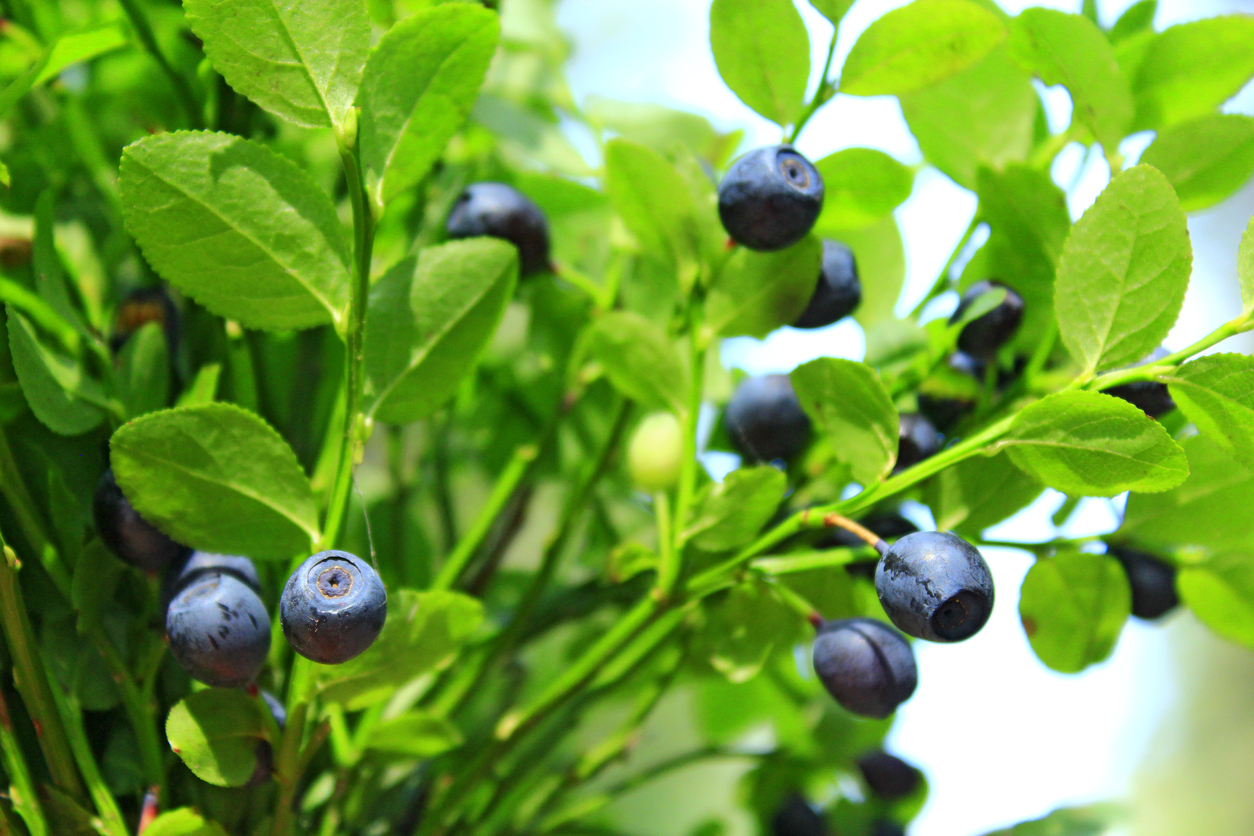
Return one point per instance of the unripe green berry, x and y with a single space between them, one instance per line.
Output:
655 453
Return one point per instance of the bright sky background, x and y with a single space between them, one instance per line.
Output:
1002 738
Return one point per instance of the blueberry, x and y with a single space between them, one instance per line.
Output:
1153 582
141 306
888 776
934 585
1149 396
502 211
838 292
795 817
886 827
265 752
770 198
765 420
198 563
126 533
917 440
865 665
333 607
219 630
982 336
945 409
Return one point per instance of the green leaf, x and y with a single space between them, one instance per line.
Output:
983 116
1209 509
1137 18
661 128
640 360
1073 607
1191 69
245 232
216 732
732 513
419 85
1245 268
429 318
1028 219
920 44
1221 594
183 822
298 59
744 627
423 632
1090 444
144 378
763 53
204 386
833 10
58 390
1206 160
46 264
217 478
526 139
414 734
979 492
1124 271
653 200
755 292
1070 50
96 575
881 257
1216 393
67 50
1090 820
850 407
861 187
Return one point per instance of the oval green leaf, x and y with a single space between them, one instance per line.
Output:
1206 160
1216 392
861 186
216 732
1191 69
1089 444
217 478
763 53
755 292
1221 594
244 231
850 406
1073 607
733 512
57 388
640 360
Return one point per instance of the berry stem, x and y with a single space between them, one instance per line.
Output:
32 680
834 520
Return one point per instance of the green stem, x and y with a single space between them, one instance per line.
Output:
1240 325
355 332
443 485
138 710
671 764
942 281
21 785
668 580
668 556
13 487
110 817
32 681
182 90
287 769
823 94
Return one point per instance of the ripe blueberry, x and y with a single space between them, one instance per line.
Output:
934 585
770 198
218 630
141 306
917 440
795 817
865 665
946 408
838 292
1149 396
765 420
502 211
126 533
1153 582
198 563
888 776
332 607
982 336
656 452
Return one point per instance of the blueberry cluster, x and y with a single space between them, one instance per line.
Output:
332 608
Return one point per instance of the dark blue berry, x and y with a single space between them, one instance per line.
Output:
984 335
265 752
865 665
218 630
1153 582
888 776
795 817
1149 396
770 198
126 533
502 211
934 585
838 292
917 440
332 607
197 564
765 420
945 406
